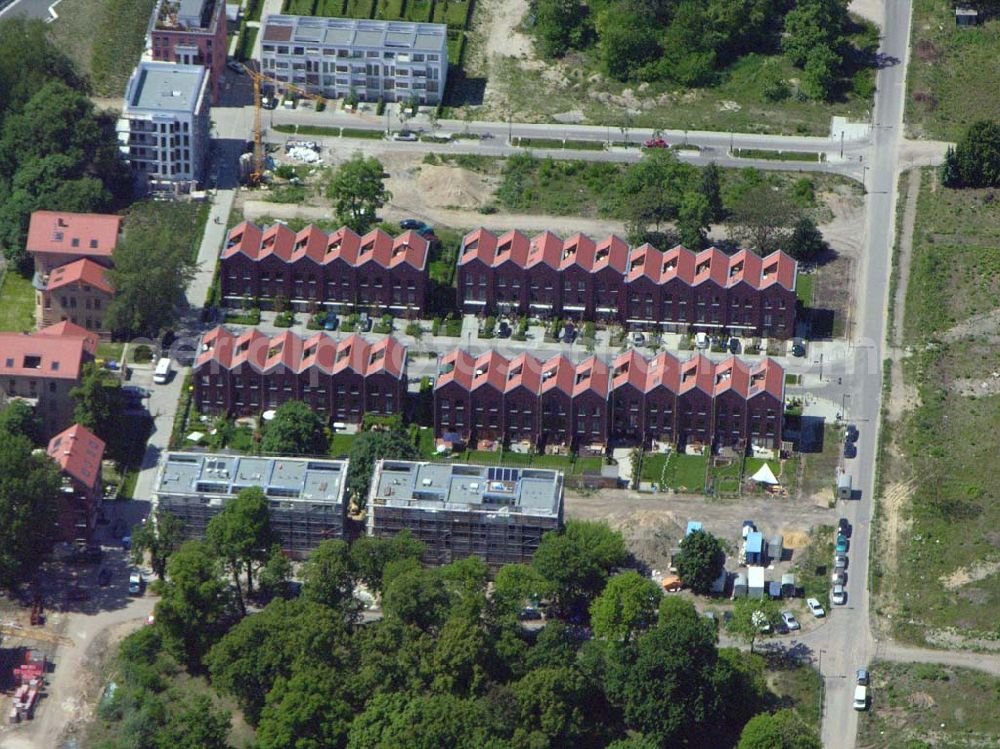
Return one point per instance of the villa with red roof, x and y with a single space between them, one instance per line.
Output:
72 254
312 269
248 373
677 290
556 405
43 367
79 453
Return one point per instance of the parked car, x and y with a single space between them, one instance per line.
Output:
850 450
815 608
135 584
637 339
798 350
839 578
734 345
568 333
841 545
840 562
852 433
860 697
405 135
425 231
412 223
104 577
838 595
331 322
790 621
234 66
701 340
503 329
134 391
655 143
844 527
863 677
529 614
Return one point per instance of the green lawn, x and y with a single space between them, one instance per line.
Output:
804 288
949 70
812 565
683 472
725 479
110 351
922 705
799 687
17 303
760 153
341 443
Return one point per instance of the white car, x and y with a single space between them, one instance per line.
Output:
839 595
815 608
860 697
406 136
790 621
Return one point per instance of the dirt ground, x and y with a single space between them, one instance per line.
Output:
653 525
495 29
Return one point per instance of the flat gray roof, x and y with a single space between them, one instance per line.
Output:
285 479
165 87
471 488
347 32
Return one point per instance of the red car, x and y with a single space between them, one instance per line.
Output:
655 143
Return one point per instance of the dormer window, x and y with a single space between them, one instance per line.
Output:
300 244
243 347
669 264
569 252
504 248
583 376
688 374
376 357
737 268
723 376
368 247
343 354
310 352
757 379
334 245
275 350
473 245
400 249
770 270
480 371
621 369
602 253
549 373
448 368
702 267
515 372
637 263
268 243
32 362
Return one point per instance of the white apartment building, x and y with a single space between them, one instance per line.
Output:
163 131
391 60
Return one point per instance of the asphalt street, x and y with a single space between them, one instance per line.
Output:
27 9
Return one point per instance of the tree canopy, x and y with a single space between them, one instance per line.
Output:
781 730
700 560
370 446
241 536
975 160
357 192
296 429
628 605
159 537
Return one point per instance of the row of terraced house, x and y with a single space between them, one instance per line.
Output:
544 276
545 405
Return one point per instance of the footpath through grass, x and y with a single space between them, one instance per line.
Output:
923 705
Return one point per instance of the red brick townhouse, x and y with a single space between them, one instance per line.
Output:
579 278
72 253
191 32
338 270
636 400
341 379
79 453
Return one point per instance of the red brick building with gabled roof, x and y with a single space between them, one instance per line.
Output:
311 268
342 379
79 453
582 279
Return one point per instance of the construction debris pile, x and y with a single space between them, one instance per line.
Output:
29 679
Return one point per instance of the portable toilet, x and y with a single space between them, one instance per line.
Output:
755 548
755 582
740 586
693 525
788 585
776 547
844 488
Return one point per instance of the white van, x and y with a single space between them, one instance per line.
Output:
162 372
860 697
135 583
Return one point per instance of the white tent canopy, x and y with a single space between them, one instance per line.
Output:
765 475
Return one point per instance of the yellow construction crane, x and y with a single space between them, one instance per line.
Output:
258 133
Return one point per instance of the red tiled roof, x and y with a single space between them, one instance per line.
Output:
517 248
298 355
377 246
726 271
79 453
524 371
80 271
42 355
67 329
73 233
558 373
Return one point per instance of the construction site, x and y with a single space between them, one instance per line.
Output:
496 514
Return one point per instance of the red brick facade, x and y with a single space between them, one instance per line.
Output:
191 32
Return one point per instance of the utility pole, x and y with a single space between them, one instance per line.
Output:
841 144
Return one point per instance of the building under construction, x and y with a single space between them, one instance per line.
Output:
497 514
305 495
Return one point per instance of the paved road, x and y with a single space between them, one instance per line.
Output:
27 9
848 644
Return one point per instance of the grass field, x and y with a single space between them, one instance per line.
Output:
340 445
184 223
799 687
686 472
922 705
813 565
949 69
17 303
942 572
804 289
819 468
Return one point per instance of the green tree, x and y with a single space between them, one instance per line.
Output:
806 242
975 160
700 561
760 219
195 604
29 488
552 703
18 418
752 619
328 577
651 192
711 188
819 76
198 724
627 606
305 711
369 447
627 43
357 192
296 429
577 561
694 215
284 638
417 597
160 537
516 584
241 535
464 659
558 26
418 722
781 730
812 25
370 555
274 579
100 407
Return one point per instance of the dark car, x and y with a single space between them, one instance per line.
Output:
850 450
503 329
844 527
734 345
104 577
330 323
426 232
798 350
412 223
852 433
